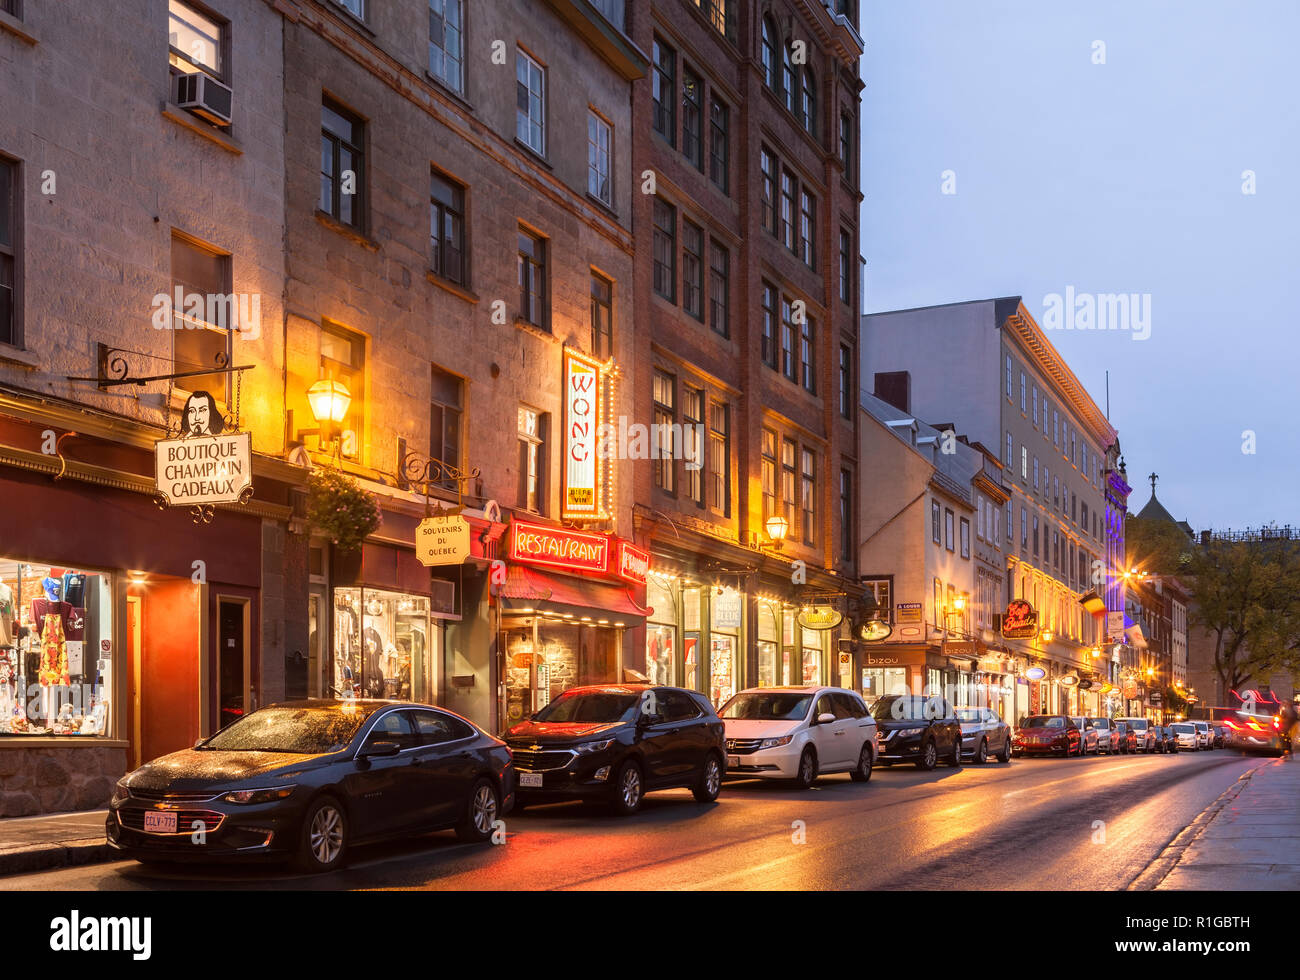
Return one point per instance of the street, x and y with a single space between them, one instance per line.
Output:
1030 824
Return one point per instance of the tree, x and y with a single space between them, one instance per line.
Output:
1158 547
1246 595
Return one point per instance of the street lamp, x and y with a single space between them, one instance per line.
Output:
329 401
776 527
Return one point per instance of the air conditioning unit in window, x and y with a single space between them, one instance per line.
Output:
205 97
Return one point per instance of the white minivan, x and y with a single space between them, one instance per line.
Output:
798 733
1188 739
1204 734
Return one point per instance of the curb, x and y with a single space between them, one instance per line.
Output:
64 854
1159 869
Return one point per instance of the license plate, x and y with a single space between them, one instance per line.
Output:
160 821
531 780
733 761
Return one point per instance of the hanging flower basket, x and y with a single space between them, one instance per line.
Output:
340 509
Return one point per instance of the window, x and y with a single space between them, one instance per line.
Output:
807 229
600 141
9 210
719 289
767 164
1010 450
936 526
199 342
665 417
195 42
446 37
663 87
1024 527
719 145
692 428
808 497
789 79
881 590
787 209
768 453
342 164
1024 463
530 103
692 119
788 367
355 7
532 279
949 538
665 248
965 537
447 228
447 405
769 54
1008 375
1035 472
1033 403
693 270
846 268
720 15
720 458
1035 535
1011 530
807 354
532 459
1056 490
602 317
846 516
981 522
1074 460
808 103
1083 513
1056 427
769 325
788 450
1023 392
343 358
846 381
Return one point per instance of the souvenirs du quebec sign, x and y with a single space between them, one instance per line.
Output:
206 469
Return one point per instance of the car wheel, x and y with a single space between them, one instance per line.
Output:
929 757
708 786
476 822
954 760
1004 753
323 840
981 752
807 769
863 771
629 789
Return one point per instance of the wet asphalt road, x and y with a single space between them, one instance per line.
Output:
1030 824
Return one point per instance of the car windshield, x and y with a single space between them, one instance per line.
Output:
609 707
1183 729
897 707
969 714
1043 721
1138 724
1101 723
767 706
308 730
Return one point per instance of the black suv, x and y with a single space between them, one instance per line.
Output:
618 742
913 728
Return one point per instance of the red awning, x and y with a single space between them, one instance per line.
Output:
527 589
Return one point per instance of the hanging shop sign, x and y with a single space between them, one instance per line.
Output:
820 617
1069 680
1035 673
1115 624
726 610
582 465
1020 621
204 469
1130 689
631 563
442 539
874 630
1155 697
559 547
1085 685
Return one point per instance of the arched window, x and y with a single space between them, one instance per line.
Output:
769 54
789 80
808 108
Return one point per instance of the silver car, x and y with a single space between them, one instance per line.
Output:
984 733
1090 739
1145 733
1104 730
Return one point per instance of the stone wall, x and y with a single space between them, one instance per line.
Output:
55 779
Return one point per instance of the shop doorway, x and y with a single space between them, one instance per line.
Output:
233 695
164 645
133 657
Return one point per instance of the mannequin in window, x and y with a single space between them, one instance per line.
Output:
50 615
372 673
7 617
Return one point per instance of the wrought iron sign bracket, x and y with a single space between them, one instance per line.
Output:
115 369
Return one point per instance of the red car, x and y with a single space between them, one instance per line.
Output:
1047 735
1125 737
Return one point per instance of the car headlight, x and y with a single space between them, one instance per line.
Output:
771 743
587 748
251 796
909 731
121 793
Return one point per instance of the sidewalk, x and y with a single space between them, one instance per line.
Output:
1253 842
56 840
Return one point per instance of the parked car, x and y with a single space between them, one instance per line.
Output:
1185 733
915 728
1166 741
1204 736
615 743
309 779
799 733
1146 739
1220 731
1126 736
984 733
1104 730
1091 740
1047 735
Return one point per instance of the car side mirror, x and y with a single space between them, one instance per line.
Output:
825 718
374 750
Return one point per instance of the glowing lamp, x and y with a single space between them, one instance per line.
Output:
329 400
777 527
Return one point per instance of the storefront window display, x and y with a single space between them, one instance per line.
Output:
813 641
381 645
724 644
769 661
879 681
661 635
56 650
548 654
